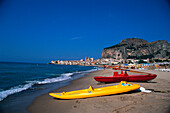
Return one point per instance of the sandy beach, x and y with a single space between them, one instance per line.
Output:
158 101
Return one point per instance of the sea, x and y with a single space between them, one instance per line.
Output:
21 83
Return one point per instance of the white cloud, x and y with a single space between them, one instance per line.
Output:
76 38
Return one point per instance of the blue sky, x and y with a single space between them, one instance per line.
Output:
44 30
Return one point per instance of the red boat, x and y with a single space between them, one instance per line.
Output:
125 77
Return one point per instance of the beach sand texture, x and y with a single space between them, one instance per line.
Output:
157 101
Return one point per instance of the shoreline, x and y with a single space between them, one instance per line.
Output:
139 102
18 102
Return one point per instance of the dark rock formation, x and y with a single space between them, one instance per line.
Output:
138 48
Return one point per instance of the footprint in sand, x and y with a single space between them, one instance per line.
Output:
126 98
77 104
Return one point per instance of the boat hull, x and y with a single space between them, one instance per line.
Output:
90 92
129 78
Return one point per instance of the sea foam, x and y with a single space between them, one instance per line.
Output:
4 94
29 84
57 79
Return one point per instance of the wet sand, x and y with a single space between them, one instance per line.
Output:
157 101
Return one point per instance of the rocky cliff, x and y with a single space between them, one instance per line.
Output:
138 48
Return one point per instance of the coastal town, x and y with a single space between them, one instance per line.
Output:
128 63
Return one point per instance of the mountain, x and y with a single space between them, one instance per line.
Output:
138 48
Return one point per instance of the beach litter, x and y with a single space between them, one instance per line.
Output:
142 89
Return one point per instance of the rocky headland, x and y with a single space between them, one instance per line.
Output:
138 48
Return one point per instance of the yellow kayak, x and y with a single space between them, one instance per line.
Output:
122 87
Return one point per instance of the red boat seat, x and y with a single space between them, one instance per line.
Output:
116 74
126 74
122 74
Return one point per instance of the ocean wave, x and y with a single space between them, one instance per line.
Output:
52 80
4 94
29 84
63 77
67 74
